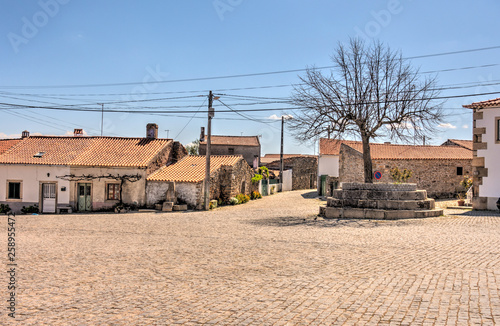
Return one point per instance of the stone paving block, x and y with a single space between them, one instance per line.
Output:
167 206
354 213
180 208
398 214
333 212
375 214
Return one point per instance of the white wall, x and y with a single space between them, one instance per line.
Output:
491 184
31 177
287 180
328 165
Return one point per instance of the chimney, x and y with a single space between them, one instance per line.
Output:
387 143
78 132
152 131
202 134
25 134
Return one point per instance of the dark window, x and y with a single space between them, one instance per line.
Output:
14 190
497 127
113 191
460 170
231 151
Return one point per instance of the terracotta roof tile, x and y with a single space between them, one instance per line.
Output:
484 104
86 151
5 144
233 140
332 146
399 152
192 168
459 142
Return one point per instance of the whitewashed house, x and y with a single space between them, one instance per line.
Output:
83 173
486 154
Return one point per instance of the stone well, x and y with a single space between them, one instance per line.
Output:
384 201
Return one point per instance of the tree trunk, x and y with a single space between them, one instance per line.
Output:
367 159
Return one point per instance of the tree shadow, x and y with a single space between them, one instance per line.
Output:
311 195
454 212
319 222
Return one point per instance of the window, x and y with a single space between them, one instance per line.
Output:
113 191
460 170
14 190
231 151
497 130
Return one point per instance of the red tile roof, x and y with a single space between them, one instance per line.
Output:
85 151
332 146
233 140
484 104
5 144
459 142
401 152
268 158
192 168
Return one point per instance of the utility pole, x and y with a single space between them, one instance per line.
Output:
207 166
281 153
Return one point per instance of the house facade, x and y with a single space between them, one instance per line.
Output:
437 169
304 170
84 173
486 152
247 146
230 175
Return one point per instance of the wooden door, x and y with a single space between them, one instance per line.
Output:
84 197
48 197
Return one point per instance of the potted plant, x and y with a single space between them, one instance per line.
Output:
465 183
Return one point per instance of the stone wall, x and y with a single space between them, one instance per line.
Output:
438 177
248 152
172 153
304 171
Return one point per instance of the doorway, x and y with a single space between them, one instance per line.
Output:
48 197
84 197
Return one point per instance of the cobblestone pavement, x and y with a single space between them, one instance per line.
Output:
267 262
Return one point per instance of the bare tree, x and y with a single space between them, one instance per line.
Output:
372 91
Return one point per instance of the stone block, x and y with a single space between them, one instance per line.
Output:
478 162
350 202
167 206
481 172
413 195
170 196
367 203
180 207
477 115
376 194
428 213
337 193
158 207
375 214
322 210
476 146
398 214
333 202
479 131
333 212
354 213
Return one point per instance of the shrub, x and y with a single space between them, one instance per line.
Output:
400 176
30 209
273 189
242 198
255 195
256 178
233 201
4 208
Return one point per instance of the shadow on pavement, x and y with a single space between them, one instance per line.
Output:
313 221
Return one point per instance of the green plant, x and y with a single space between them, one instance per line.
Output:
400 176
263 173
30 209
4 208
256 178
465 183
255 195
273 189
233 201
242 198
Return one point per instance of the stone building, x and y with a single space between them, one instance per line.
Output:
486 152
247 146
230 175
304 170
437 169
82 173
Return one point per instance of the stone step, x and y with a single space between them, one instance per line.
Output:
377 214
382 204
377 194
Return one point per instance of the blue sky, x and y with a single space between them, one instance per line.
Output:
71 42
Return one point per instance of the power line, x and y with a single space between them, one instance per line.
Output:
231 76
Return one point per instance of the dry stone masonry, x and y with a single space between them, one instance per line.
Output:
383 201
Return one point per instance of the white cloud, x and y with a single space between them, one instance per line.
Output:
5 136
447 126
465 126
275 117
